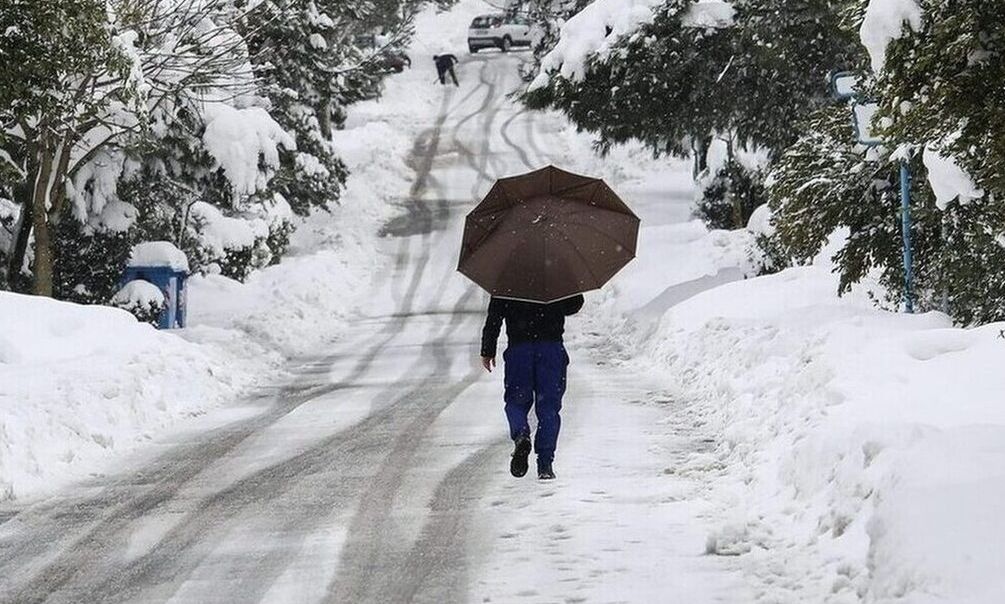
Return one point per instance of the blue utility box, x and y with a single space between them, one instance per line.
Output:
166 267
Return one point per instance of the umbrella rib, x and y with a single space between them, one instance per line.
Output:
595 229
516 248
581 209
586 262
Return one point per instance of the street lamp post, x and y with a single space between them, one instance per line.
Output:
905 229
844 86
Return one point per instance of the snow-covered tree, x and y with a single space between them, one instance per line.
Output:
938 82
300 54
938 69
548 16
746 71
86 79
54 56
826 186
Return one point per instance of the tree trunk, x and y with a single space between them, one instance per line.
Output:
43 264
700 148
22 234
737 203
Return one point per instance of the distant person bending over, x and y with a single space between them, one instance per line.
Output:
444 65
535 373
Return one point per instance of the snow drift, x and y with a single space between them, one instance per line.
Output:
860 452
78 383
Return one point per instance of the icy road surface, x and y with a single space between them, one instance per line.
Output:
379 474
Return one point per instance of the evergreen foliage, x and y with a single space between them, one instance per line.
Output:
89 262
940 89
109 103
295 57
824 184
753 82
754 79
730 196
941 86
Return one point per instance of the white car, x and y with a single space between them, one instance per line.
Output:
499 31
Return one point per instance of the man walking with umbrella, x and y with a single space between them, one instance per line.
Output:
535 373
536 243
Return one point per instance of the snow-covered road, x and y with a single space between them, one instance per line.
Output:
379 473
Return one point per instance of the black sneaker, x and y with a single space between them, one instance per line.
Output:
518 464
545 472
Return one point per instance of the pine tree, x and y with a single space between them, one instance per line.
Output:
673 85
941 89
299 58
825 184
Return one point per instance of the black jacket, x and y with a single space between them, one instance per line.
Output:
444 62
527 321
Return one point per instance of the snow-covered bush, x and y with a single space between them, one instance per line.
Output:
730 195
765 255
88 261
220 244
141 298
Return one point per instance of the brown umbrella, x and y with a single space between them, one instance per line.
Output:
547 235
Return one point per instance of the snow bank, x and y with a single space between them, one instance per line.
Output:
859 453
158 253
884 22
301 305
79 384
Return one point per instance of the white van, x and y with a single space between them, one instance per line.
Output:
499 31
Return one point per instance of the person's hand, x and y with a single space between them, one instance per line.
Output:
488 363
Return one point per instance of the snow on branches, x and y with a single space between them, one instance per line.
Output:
884 21
119 115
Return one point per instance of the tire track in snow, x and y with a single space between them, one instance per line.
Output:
484 110
327 455
432 570
327 477
435 570
524 158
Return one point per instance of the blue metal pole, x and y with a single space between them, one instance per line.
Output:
905 226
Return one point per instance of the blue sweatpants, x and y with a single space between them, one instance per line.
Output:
535 377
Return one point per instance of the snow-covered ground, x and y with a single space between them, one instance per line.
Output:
857 453
737 439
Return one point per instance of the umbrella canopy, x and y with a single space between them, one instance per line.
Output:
547 235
